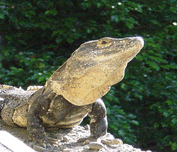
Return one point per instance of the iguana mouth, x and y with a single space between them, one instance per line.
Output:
133 47
129 44
141 40
137 42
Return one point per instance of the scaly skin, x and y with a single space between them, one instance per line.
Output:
73 91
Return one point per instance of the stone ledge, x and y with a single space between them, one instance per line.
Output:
68 137
4 148
11 144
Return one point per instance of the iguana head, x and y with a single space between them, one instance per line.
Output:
95 66
109 48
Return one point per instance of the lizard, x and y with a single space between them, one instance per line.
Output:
73 91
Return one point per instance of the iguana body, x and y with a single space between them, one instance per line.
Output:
73 91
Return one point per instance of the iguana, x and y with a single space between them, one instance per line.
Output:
73 91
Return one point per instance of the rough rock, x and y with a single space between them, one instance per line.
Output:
69 138
95 146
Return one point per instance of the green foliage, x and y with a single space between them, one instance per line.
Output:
38 36
120 122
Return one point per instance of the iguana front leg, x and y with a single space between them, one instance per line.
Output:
39 108
98 122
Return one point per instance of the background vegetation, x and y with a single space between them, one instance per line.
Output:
38 36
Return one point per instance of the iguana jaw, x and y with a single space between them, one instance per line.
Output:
119 59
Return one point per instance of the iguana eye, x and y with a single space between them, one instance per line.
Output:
103 42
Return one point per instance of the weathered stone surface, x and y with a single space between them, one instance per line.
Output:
67 150
112 141
38 148
71 144
13 143
4 148
96 146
